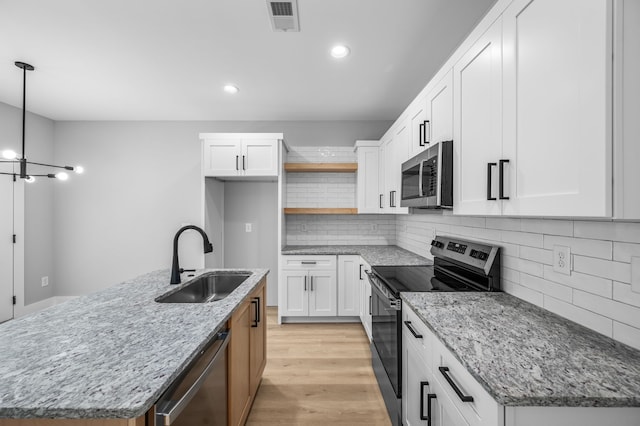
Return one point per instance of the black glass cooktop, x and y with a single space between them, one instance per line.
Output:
420 278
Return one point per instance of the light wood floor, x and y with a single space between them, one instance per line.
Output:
317 374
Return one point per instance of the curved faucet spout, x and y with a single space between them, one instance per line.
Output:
175 266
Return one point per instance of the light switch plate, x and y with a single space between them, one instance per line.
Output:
247 227
635 274
45 281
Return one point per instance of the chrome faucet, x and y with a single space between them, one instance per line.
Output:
175 267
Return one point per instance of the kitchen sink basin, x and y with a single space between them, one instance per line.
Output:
206 288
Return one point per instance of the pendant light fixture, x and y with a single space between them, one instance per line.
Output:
10 156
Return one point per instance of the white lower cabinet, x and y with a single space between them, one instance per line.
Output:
349 285
308 287
437 390
365 297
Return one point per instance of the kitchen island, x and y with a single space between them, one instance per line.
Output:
107 355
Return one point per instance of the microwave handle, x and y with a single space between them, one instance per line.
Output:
420 188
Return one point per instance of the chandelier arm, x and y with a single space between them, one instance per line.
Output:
9 161
24 107
50 165
8 174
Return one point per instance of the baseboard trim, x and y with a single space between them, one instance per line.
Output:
40 305
316 320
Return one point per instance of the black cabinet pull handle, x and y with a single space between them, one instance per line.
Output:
392 198
243 166
308 262
421 138
258 313
369 305
425 133
463 397
501 171
430 396
237 163
305 283
381 206
361 265
311 279
489 166
415 334
255 319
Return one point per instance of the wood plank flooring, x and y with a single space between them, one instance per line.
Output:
317 374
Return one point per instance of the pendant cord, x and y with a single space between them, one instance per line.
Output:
24 106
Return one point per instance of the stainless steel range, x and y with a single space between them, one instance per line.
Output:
458 265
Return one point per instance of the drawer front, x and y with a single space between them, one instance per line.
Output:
483 410
411 321
310 262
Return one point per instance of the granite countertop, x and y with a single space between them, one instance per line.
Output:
110 354
524 355
374 255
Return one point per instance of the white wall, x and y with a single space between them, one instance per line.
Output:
142 182
38 198
597 294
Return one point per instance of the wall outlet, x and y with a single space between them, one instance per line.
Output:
45 281
303 227
247 227
562 259
374 227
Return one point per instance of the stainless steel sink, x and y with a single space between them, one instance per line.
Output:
206 288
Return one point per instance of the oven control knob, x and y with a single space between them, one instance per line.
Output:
437 244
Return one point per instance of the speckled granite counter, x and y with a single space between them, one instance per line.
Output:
526 356
106 355
374 255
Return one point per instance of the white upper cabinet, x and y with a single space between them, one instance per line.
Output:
367 178
240 154
440 109
532 113
477 124
557 107
418 127
395 151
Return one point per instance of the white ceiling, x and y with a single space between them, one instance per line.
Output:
168 59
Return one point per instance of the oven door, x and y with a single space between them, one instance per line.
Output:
386 331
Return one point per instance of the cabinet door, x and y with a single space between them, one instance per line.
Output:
260 157
348 285
443 410
382 184
557 107
295 296
417 117
222 157
368 201
322 293
477 123
416 383
258 336
239 365
440 110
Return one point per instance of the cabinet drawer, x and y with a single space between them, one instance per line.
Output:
425 342
483 410
309 262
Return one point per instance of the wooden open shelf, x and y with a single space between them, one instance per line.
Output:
304 210
321 167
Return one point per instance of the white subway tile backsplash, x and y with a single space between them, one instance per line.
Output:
555 290
609 308
589 319
623 252
548 226
603 268
523 238
626 334
612 231
585 247
602 252
589 283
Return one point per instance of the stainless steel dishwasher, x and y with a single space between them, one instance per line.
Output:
199 395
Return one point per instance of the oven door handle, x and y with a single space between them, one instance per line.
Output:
171 411
420 188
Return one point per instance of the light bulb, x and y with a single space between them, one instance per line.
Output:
230 88
340 51
30 179
62 176
79 169
8 154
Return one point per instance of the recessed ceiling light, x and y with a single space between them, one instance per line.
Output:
230 88
340 51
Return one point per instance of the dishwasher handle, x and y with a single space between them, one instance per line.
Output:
168 411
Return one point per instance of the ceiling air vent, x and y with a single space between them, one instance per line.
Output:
283 15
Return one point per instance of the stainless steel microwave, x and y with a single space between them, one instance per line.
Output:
427 178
